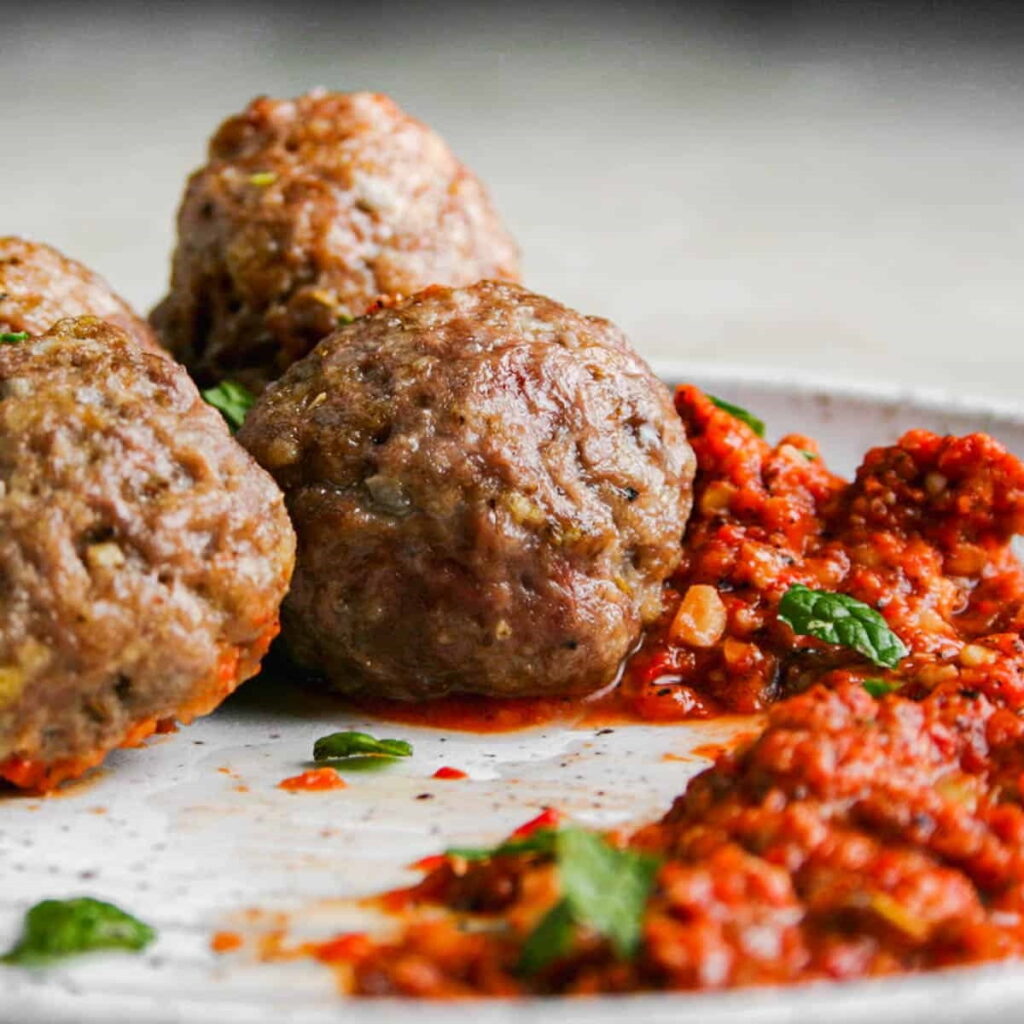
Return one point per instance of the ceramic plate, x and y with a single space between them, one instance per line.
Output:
192 833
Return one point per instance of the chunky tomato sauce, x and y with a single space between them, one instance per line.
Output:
853 836
922 534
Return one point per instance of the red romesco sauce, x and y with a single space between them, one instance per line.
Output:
922 534
852 836
313 780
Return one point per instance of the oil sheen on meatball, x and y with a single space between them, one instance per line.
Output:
143 554
306 212
39 286
488 488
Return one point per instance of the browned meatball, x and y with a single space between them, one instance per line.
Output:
307 211
143 554
39 286
488 489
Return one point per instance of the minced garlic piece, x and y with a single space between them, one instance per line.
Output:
700 619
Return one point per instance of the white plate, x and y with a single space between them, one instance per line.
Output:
167 833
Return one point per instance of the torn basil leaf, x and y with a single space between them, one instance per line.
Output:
232 400
355 744
55 929
756 425
843 620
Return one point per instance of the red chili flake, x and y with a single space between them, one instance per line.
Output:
226 942
450 773
428 864
315 778
350 946
548 818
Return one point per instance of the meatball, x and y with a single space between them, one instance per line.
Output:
143 554
307 211
488 489
39 286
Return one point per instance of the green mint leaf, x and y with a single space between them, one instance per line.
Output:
841 619
550 940
879 687
232 400
355 744
541 842
470 852
59 928
756 425
605 888
13 337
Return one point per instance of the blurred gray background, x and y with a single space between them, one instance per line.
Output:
808 187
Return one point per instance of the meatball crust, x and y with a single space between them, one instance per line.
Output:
307 211
488 489
143 554
39 286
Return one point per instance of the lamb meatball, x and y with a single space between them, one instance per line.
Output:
39 286
488 490
143 554
307 211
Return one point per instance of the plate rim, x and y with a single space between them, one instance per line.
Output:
778 379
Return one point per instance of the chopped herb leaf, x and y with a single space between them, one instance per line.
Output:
355 744
262 179
550 940
58 928
756 425
13 337
233 400
604 889
344 319
879 687
809 456
542 841
841 619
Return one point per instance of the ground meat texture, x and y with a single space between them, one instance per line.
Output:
488 489
143 554
306 212
39 286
